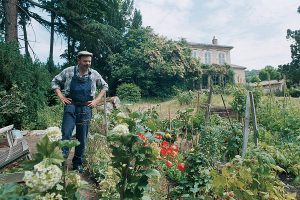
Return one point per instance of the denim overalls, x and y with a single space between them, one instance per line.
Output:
79 114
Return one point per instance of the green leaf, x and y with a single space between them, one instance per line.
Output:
152 172
146 198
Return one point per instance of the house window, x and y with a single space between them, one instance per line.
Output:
194 54
207 58
221 58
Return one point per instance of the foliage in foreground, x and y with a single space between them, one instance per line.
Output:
25 83
46 176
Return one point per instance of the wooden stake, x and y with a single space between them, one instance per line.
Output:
170 121
105 115
207 113
246 127
254 121
227 113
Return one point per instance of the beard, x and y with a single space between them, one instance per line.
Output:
84 67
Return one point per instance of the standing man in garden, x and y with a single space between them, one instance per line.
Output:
79 97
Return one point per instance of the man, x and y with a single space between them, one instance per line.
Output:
79 84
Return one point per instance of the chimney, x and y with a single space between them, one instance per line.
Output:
215 40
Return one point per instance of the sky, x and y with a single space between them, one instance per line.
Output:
255 28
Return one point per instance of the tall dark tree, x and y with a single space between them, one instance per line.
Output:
52 32
2 21
137 19
11 22
292 70
24 18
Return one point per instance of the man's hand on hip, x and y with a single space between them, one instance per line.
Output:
93 103
65 100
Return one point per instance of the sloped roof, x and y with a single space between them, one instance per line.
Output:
202 45
270 82
237 66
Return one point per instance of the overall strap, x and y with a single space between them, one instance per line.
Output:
74 71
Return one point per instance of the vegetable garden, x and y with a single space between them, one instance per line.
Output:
153 155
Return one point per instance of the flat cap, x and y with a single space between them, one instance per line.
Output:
84 53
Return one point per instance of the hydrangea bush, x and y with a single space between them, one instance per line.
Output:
43 177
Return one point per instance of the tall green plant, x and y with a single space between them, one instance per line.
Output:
133 160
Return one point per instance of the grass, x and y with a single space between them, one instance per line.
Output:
170 107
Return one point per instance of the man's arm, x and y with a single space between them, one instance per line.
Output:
97 100
55 84
62 98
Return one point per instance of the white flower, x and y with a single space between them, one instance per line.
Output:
49 196
43 177
121 129
74 179
97 116
53 133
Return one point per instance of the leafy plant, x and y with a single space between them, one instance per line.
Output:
239 101
99 166
133 160
250 178
185 97
129 92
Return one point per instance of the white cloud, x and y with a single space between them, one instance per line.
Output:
256 28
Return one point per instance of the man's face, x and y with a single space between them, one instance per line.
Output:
84 62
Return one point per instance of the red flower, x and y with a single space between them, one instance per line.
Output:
174 147
163 152
173 154
169 151
142 136
157 136
181 167
165 145
231 194
169 164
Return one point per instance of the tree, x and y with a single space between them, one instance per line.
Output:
137 19
255 79
23 6
292 70
153 63
11 26
269 73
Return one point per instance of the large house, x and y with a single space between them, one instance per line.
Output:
218 54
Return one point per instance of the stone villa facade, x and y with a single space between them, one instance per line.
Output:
218 54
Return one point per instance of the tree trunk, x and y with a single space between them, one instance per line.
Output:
69 50
26 44
10 15
50 61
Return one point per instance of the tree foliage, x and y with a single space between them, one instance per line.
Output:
26 83
154 63
269 73
292 70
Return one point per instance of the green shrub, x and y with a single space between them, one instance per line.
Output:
295 92
31 81
129 92
185 97
49 116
